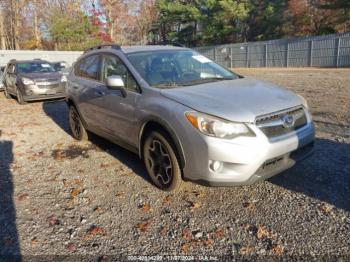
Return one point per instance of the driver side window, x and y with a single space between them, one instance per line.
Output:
113 66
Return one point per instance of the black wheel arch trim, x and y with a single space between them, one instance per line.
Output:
170 131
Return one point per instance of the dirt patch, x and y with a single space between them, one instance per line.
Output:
73 151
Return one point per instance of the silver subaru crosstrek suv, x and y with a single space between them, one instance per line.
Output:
187 117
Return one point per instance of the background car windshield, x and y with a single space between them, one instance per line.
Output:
166 69
34 67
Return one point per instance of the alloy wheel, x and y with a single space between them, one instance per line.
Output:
75 123
160 162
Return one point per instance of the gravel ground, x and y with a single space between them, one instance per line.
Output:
61 197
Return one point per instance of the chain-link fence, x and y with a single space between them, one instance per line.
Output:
318 51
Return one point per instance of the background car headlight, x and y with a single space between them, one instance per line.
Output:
216 127
27 81
63 79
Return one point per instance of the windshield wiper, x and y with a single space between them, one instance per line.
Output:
166 85
206 80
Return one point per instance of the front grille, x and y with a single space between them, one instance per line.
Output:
47 80
49 86
272 125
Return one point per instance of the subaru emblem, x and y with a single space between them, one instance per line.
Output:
288 121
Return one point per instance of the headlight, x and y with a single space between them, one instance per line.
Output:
27 81
63 79
216 127
304 102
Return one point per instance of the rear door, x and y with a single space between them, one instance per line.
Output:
85 87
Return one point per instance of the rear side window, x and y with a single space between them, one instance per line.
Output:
89 67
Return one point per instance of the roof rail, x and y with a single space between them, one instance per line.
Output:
112 46
170 43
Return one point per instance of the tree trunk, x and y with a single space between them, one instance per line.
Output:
36 25
15 23
2 30
110 23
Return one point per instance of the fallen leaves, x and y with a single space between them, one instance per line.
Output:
71 247
104 165
186 235
219 233
145 207
75 192
34 242
185 248
262 232
325 208
277 250
119 194
23 197
94 231
143 226
167 200
164 231
198 194
248 205
52 220
246 250
194 205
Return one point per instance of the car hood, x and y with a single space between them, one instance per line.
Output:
240 100
46 75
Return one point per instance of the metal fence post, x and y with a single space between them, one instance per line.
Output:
231 55
214 54
311 52
247 57
287 55
265 58
338 51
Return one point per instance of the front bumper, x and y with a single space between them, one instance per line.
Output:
34 92
246 160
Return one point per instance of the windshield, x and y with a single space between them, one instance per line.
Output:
167 69
34 67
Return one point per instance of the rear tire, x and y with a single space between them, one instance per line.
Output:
19 95
76 126
161 161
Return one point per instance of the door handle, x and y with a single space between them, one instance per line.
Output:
100 93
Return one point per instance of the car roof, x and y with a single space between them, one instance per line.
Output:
149 48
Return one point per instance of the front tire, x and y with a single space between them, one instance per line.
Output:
161 161
19 95
76 126
6 93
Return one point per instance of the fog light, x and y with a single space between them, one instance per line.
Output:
215 165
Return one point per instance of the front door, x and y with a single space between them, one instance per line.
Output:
119 111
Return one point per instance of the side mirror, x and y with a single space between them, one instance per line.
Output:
116 83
